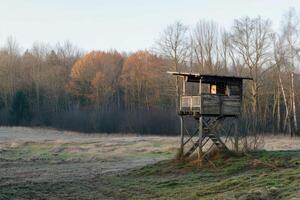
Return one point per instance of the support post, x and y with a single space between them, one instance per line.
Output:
181 137
181 153
200 139
200 124
183 86
236 135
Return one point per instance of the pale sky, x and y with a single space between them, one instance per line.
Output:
122 25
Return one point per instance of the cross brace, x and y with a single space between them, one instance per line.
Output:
208 133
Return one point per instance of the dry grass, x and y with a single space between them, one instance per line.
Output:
30 156
44 155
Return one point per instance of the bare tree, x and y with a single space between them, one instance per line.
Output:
251 41
68 53
279 56
39 52
206 45
173 44
9 62
291 44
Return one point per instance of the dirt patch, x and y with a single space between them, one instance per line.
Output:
57 149
256 163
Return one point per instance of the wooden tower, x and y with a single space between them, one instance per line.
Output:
217 98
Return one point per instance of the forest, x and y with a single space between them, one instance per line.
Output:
64 87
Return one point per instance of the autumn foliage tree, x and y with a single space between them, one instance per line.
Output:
93 77
141 80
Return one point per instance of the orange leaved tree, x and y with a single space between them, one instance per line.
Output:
94 77
141 80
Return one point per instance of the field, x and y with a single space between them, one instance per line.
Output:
51 164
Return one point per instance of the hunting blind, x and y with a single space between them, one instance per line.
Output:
214 99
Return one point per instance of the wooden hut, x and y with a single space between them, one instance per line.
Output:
216 98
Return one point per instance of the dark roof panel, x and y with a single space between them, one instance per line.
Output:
208 78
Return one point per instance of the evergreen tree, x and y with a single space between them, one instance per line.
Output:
19 111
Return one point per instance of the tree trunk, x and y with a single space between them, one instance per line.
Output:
287 123
293 103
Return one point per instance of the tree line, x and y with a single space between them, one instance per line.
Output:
110 91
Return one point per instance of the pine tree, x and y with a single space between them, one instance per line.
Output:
20 111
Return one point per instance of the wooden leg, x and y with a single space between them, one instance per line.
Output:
181 136
236 136
200 139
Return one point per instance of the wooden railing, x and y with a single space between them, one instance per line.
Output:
211 104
